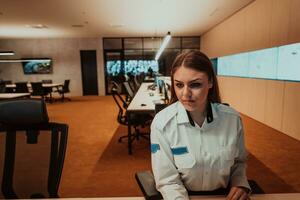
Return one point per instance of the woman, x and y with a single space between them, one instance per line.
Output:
197 144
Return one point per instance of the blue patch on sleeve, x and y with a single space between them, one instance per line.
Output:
179 150
155 148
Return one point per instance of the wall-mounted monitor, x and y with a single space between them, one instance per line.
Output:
37 65
289 62
263 63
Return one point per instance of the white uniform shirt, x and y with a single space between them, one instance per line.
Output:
197 158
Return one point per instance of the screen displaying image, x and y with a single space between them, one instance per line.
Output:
113 67
134 67
37 66
138 66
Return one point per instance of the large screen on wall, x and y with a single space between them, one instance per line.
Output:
134 67
37 65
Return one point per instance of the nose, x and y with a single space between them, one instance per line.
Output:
186 92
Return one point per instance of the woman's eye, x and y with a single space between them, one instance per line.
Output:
195 85
179 85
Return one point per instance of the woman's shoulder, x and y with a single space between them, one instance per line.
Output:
163 117
225 109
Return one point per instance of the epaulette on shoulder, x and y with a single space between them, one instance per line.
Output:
163 117
227 109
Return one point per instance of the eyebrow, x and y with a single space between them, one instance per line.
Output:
197 79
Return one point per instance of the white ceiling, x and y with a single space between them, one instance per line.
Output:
112 18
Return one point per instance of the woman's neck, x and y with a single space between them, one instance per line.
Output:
199 115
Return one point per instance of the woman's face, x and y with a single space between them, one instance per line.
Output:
191 88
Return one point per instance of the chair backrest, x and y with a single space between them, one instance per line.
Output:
122 105
115 86
47 81
7 82
30 115
37 89
21 87
2 87
128 89
23 111
66 85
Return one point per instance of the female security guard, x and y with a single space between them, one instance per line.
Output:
197 144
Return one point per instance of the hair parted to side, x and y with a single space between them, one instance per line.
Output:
196 60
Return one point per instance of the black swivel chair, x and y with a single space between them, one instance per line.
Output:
21 87
47 81
135 120
2 87
8 90
30 115
146 183
38 90
64 89
129 91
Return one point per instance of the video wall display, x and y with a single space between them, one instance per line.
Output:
278 63
132 67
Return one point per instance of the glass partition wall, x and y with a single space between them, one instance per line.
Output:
126 58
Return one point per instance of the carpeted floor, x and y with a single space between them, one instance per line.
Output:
97 165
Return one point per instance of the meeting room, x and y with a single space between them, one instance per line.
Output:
149 100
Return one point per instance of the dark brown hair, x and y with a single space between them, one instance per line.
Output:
196 60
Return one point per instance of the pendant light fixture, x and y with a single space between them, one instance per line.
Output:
163 45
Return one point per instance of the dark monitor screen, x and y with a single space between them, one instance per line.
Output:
37 65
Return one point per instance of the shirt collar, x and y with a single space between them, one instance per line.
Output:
184 116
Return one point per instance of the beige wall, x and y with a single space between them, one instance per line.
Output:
66 60
262 24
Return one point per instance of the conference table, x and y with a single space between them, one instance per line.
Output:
279 196
143 102
45 85
48 86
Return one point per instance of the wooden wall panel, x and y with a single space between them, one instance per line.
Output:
234 91
291 109
234 34
279 22
274 104
257 94
258 20
208 42
245 98
294 25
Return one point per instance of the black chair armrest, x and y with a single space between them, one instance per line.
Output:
146 182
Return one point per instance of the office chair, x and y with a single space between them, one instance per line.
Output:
2 87
146 183
21 87
47 81
129 91
136 120
64 89
31 116
38 90
8 90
